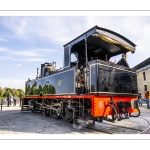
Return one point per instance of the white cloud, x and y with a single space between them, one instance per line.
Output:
17 25
57 29
3 40
6 58
18 65
34 59
4 49
29 52
25 53
64 29
46 50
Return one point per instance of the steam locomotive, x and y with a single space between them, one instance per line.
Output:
90 87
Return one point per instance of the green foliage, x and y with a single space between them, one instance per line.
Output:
1 91
27 90
52 89
20 92
31 89
5 91
15 92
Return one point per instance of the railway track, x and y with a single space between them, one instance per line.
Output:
126 127
133 125
147 129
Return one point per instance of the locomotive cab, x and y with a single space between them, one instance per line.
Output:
93 51
96 43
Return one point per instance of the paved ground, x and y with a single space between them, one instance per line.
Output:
13 121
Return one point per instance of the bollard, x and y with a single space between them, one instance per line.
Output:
1 104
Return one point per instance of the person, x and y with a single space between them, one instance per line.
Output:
14 100
147 98
9 99
139 99
8 102
123 61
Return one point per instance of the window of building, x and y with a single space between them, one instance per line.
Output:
145 87
144 76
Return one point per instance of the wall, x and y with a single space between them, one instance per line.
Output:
141 81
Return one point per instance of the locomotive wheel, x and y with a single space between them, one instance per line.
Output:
32 110
68 115
45 112
54 114
48 113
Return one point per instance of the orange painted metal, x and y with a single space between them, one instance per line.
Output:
101 107
100 103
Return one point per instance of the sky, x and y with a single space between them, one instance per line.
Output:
28 41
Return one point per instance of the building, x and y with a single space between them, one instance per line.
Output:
143 76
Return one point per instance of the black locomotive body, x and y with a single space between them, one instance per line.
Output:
90 87
102 78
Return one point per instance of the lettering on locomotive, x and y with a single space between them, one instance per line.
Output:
60 83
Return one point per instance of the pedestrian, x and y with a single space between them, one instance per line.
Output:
139 99
14 100
147 98
9 99
8 102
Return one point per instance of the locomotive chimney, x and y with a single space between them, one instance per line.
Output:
42 65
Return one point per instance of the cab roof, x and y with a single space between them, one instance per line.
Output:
103 42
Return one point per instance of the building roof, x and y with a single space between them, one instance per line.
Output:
142 64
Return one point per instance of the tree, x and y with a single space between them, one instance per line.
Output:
1 91
21 92
15 92
7 91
